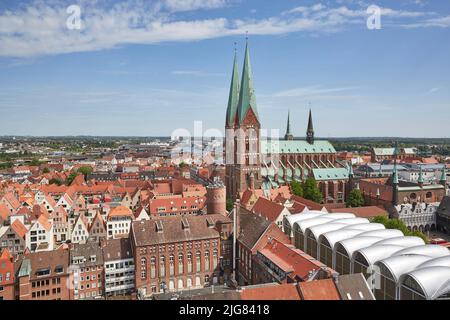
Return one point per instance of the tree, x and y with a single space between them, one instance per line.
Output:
399 225
296 188
355 199
311 190
35 163
56 181
85 171
230 204
71 177
46 170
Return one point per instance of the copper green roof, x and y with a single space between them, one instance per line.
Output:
25 268
330 174
288 128
296 146
420 180
247 99
443 174
233 98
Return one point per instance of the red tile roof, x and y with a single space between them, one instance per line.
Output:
271 292
319 290
268 209
19 228
363 212
120 211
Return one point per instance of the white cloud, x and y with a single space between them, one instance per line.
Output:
40 28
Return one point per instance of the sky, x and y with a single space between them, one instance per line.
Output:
147 68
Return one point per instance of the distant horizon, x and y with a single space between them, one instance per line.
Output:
143 68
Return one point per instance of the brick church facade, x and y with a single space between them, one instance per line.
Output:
253 163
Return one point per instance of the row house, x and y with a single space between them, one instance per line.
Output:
80 230
7 276
40 235
12 238
118 222
45 276
119 267
97 229
176 253
87 266
11 202
60 223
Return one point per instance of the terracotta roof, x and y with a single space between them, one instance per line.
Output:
120 211
44 222
48 259
319 290
286 291
295 262
269 209
12 200
19 228
4 212
310 204
362 212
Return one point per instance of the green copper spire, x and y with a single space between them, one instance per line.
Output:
350 170
247 99
380 171
443 175
420 180
233 98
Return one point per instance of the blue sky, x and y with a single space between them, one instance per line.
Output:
150 67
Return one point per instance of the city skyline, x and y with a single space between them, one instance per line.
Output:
170 65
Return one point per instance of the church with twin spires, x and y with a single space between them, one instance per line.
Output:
253 163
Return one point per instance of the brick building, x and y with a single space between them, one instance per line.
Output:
87 266
254 233
44 276
7 276
178 253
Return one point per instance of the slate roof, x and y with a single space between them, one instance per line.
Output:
251 228
444 206
117 249
87 250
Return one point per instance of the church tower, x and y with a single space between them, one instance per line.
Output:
310 131
242 139
288 135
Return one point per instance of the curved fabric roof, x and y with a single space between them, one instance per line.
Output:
303 216
304 224
353 244
434 281
436 262
333 237
317 230
366 227
399 265
405 241
375 253
431 250
383 233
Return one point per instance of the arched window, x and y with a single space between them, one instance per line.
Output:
189 282
171 265
162 266
429 194
180 264
207 260
180 284
215 259
189 261
413 196
153 267
197 281
197 261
